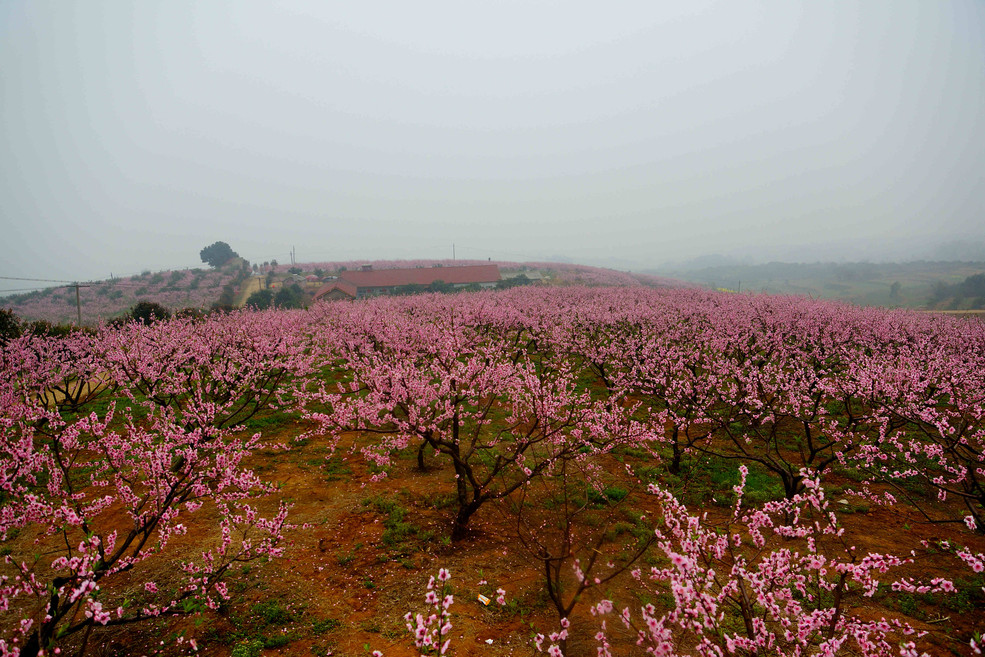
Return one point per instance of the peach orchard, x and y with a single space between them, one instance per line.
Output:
115 443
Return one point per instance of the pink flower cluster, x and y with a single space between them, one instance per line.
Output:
69 467
431 629
791 597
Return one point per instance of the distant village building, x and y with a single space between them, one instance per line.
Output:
336 291
368 282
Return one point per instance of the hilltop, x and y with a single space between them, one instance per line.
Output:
232 284
952 286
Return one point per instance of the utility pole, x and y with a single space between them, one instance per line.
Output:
452 250
78 301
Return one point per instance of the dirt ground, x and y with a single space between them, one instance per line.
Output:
252 284
344 583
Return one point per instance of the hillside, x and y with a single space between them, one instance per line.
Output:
925 285
103 300
229 285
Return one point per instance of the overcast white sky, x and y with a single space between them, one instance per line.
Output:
132 134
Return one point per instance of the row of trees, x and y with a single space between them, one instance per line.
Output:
288 296
793 388
531 396
143 312
11 326
108 486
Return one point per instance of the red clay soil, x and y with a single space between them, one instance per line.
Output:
340 589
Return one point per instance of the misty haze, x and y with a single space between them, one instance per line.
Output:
492 329
633 137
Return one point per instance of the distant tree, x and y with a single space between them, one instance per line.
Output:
319 272
974 286
256 267
894 290
38 327
190 313
218 307
289 296
409 289
10 326
939 292
273 263
228 295
148 312
516 281
440 286
42 327
261 299
217 254
295 270
241 275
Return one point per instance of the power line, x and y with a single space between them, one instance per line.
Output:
23 289
104 284
41 280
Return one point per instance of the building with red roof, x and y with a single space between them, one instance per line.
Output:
367 282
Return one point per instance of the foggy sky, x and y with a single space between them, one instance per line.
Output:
134 134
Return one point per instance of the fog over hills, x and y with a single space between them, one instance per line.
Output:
132 134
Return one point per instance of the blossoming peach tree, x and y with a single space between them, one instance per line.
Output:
105 493
781 578
500 414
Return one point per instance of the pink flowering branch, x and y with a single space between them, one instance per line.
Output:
69 478
564 521
783 572
424 376
431 629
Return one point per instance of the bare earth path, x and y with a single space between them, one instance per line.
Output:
248 288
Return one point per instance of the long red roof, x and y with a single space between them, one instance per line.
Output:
422 276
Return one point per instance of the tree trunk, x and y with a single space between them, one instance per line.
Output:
460 529
33 645
675 465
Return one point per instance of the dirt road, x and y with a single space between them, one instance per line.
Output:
248 288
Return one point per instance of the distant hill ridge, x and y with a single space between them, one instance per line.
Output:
202 288
917 284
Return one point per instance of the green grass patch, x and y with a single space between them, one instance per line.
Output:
761 485
398 531
272 420
325 625
248 648
273 613
334 469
